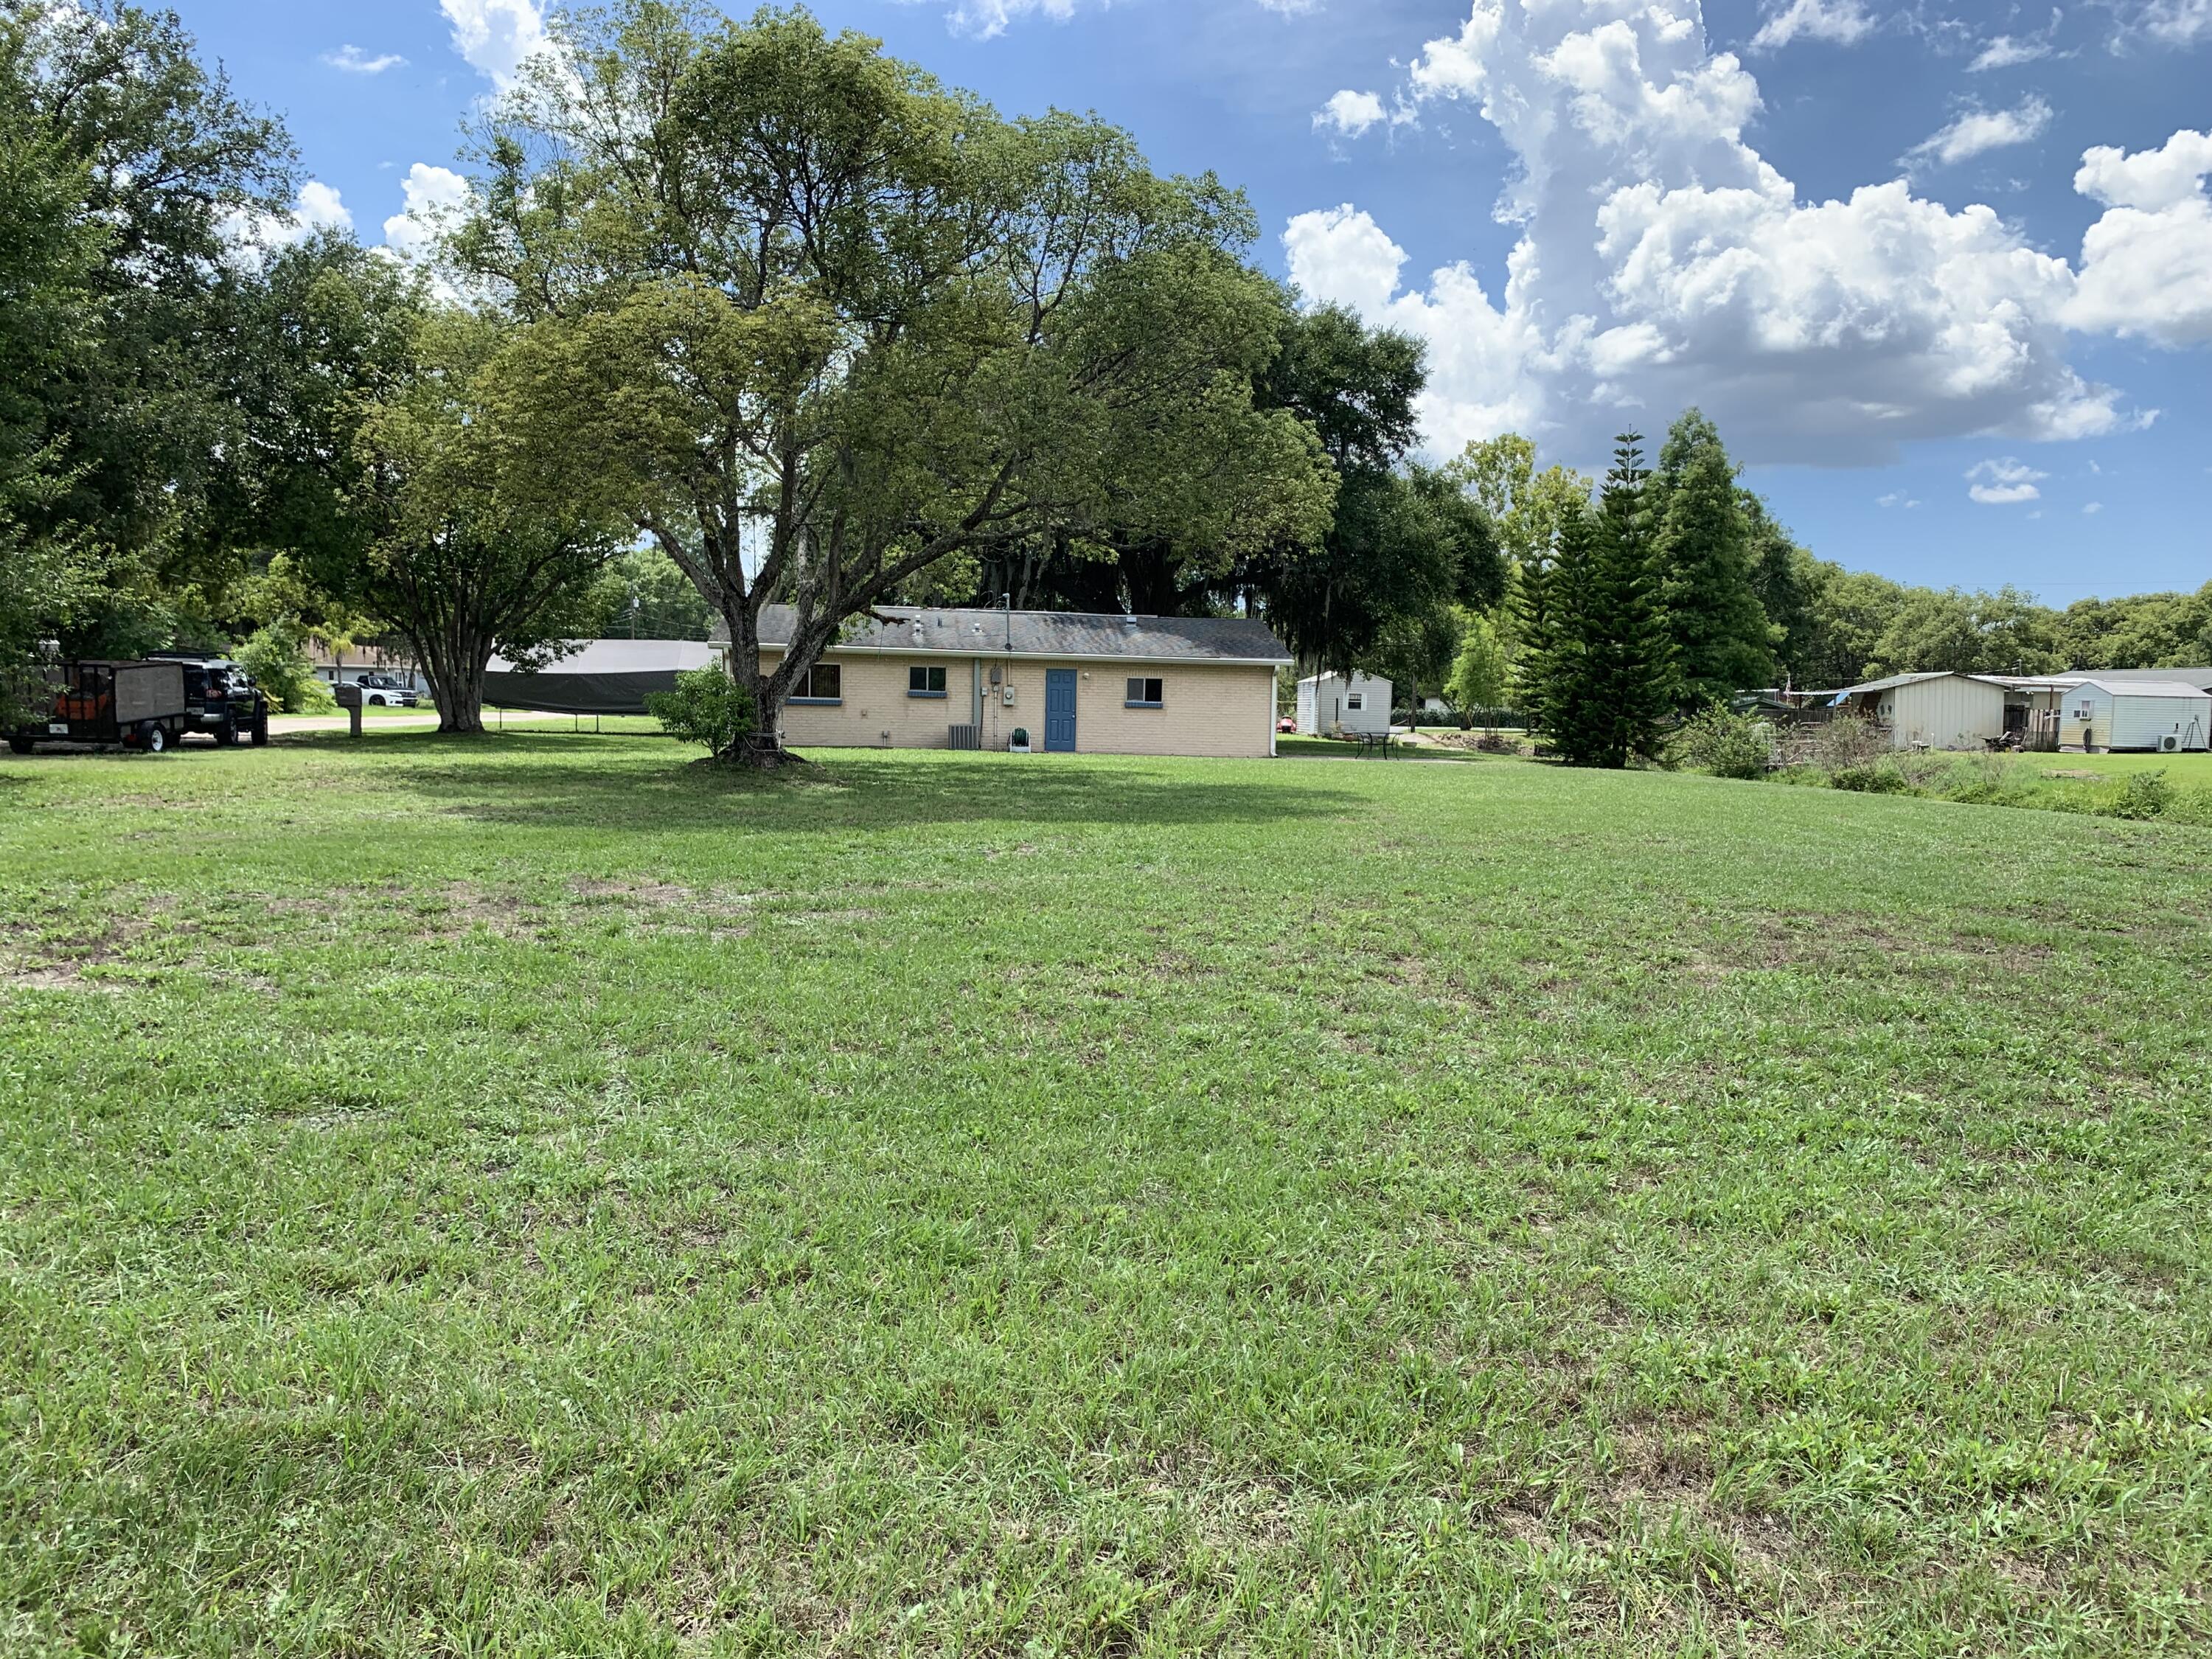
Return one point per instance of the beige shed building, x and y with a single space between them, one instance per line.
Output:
1071 681
1930 711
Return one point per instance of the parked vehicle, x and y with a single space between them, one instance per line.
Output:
222 700
387 691
139 705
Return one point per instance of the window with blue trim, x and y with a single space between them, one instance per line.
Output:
924 682
823 683
1146 693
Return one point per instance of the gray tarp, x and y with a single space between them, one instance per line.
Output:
606 676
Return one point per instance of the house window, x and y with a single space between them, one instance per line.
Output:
1357 700
924 682
1146 694
823 683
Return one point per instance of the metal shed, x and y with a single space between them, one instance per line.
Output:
1329 703
2159 716
1930 711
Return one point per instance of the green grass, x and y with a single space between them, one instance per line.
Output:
536 1196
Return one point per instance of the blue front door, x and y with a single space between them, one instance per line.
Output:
1060 710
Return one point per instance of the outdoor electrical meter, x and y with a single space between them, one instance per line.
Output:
1009 695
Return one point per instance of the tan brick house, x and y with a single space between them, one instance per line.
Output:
926 677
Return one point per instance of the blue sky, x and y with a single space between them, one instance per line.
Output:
1853 231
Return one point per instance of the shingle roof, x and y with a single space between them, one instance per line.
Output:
950 632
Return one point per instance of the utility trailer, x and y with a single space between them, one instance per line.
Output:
139 705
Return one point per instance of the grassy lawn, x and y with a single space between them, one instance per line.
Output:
534 1196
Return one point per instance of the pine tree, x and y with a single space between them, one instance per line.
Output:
1722 639
1537 664
1630 658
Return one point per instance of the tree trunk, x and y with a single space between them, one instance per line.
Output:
760 749
455 669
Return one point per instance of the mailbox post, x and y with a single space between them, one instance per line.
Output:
348 696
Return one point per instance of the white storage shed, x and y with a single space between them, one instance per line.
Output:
1930 711
1330 703
2160 716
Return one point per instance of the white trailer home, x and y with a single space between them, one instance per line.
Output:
1930 711
2169 717
1329 704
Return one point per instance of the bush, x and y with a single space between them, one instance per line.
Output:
1727 744
1878 778
706 707
1845 741
2148 794
276 656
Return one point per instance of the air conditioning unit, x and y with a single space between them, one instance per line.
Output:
2169 745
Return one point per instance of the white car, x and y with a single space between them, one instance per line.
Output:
383 691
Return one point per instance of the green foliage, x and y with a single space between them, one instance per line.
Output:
276 655
1597 662
1480 672
1404 543
1882 777
2147 630
706 707
142 165
1528 506
2002 632
1728 744
642 595
1723 642
781 277
2145 795
470 552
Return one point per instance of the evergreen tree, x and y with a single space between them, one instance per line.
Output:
1781 576
1629 656
1541 662
1721 638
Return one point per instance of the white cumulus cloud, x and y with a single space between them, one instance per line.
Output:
317 207
2178 23
1661 260
1842 23
2002 482
354 61
432 195
1976 132
496 37
2147 263
1350 113
2092 506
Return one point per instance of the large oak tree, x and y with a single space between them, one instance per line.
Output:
819 324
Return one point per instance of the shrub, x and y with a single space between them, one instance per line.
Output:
706 707
1878 778
1847 740
2147 795
276 656
1726 745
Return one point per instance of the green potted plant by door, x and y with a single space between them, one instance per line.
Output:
1019 743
